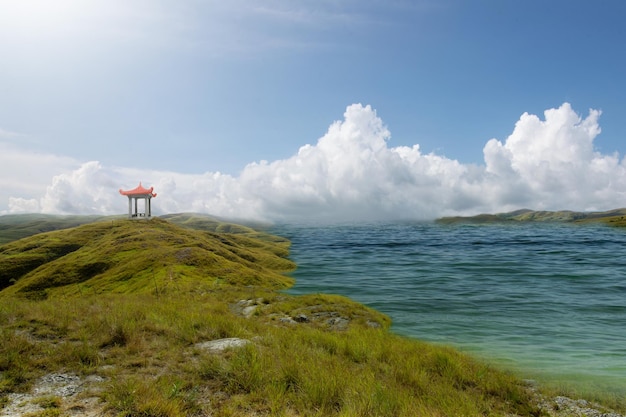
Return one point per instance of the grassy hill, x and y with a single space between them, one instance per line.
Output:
119 317
17 226
123 256
615 217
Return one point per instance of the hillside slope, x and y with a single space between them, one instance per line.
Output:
136 256
18 226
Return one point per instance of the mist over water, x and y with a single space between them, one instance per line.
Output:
546 300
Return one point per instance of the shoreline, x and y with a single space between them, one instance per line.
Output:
415 319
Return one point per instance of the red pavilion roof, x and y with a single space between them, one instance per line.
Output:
139 190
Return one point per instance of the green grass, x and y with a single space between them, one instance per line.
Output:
612 217
139 256
145 348
617 221
18 226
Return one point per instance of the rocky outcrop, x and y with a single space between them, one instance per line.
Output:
69 394
567 407
316 315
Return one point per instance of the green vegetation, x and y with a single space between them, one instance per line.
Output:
146 348
133 256
17 226
617 220
134 302
612 217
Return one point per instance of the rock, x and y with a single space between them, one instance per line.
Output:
338 323
566 407
244 303
301 318
220 345
249 311
373 324
65 386
247 307
581 408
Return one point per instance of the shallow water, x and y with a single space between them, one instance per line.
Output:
545 300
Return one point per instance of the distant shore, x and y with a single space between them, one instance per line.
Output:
615 217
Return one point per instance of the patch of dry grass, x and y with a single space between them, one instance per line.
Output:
145 348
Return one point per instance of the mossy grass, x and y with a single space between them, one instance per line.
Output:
139 256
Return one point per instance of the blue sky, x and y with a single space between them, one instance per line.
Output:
165 89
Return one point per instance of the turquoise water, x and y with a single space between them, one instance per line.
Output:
545 300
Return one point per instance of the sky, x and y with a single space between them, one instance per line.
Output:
313 110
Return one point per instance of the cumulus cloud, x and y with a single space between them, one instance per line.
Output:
553 163
24 175
352 174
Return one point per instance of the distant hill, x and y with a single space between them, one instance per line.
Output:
121 255
17 226
615 217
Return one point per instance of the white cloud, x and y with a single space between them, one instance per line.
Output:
352 174
553 161
26 174
84 190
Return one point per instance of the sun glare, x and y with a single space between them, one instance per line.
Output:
30 17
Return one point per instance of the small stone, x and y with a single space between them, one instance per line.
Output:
219 345
249 311
301 318
338 323
373 324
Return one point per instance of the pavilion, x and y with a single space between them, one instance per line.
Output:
133 196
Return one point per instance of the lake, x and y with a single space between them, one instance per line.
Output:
546 300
